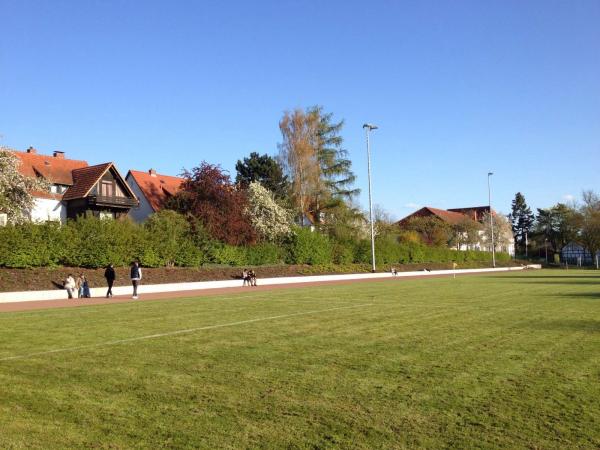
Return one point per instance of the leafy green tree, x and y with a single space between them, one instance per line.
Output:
522 220
588 220
557 225
265 170
465 232
345 223
432 230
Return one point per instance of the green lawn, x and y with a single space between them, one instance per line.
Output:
495 361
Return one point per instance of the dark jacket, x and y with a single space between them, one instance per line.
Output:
136 272
109 274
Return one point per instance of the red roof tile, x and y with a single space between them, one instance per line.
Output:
447 216
156 188
474 212
52 169
84 180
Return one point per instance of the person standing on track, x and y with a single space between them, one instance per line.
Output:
110 276
85 287
136 276
69 285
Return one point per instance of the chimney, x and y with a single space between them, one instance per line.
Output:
152 172
31 150
58 154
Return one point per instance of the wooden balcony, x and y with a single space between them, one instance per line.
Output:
119 202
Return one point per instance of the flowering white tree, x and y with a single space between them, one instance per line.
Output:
503 236
270 220
15 189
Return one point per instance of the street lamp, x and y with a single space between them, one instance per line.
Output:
368 128
546 248
491 220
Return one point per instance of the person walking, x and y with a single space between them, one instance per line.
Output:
69 285
245 277
110 276
136 276
85 287
79 285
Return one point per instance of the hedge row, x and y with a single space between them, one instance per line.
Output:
168 239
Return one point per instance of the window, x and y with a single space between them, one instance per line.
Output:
107 189
106 215
118 191
58 188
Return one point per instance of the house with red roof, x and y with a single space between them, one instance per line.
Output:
451 217
455 216
152 189
76 188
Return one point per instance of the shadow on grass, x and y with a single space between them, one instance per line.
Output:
594 295
567 277
561 283
589 325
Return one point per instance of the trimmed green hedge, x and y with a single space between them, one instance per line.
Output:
168 239
308 247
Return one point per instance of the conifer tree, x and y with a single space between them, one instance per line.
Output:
336 177
265 170
521 221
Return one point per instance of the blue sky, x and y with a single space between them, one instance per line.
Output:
457 88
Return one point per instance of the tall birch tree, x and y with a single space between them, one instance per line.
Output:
298 156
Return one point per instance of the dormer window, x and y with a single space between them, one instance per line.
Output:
58 188
107 188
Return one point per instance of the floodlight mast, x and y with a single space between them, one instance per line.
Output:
491 220
368 128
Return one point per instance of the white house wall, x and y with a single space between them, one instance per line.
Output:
141 212
48 209
510 248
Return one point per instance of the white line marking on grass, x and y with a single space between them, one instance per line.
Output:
177 332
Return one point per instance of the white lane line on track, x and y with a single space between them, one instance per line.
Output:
177 332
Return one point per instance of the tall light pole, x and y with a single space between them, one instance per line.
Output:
368 128
491 220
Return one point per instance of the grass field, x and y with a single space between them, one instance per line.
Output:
496 361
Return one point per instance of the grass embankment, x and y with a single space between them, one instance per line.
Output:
496 361
40 279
